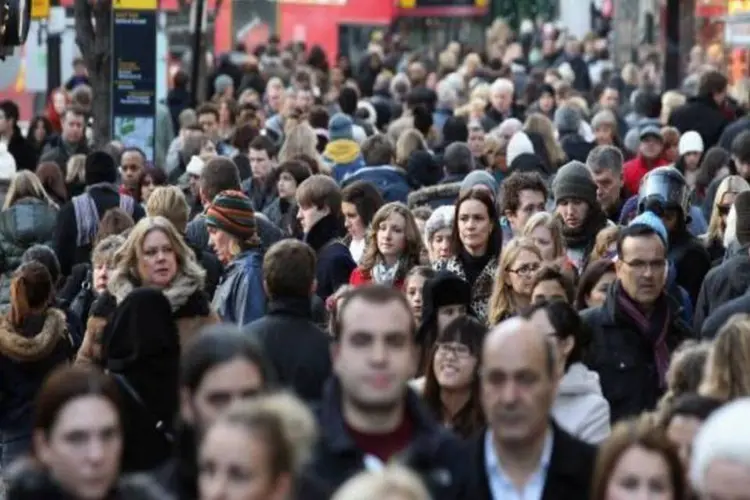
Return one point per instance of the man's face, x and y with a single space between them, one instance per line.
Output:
275 96
476 141
610 99
650 147
73 127
642 268
529 203
308 216
546 102
80 69
375 354
573 212
210 124
501 100
304 100
260 163
131 166
608 187
517 386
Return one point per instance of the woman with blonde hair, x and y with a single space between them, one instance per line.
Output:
519 262
726 376
300 140
29 217
539 124
545 230
75 179
670 101
685 373
727 191
409 142
393 248
153 255
392 483
605 244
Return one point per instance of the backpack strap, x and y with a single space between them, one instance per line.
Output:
87 219
158 423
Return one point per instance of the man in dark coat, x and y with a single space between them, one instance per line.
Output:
319 201
18 146
373 358
289 279
70 142
704 113
631 348
78 220
516 350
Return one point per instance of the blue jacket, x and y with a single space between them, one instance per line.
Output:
392 182
240 297
434 453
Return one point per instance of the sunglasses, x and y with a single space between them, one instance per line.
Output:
723 209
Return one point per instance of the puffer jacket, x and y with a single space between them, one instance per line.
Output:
240 298
579 407
28 222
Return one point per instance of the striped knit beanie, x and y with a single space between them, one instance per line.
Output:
232 211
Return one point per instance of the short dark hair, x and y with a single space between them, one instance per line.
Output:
590 277
132 149
637 230
207 108
289 270
365 197
712 82
180 79
74 110
45 256
376 294
554 273
692 405
263 143
319 117
10 110
741 146
567 323
517 182
458 159
219 174
377 150
348 100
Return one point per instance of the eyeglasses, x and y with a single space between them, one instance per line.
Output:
456 349
723 209
525 270
641 266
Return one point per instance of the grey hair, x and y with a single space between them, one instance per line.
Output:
605 158
441 218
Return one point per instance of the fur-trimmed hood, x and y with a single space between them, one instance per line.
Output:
435 196
24 348
179 292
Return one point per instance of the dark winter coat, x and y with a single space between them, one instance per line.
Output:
569 474
197 233
295 346
240 298
722 284
23 152
392 182
623 359
28 222
335 263
434 453
691 261
59 152
703 115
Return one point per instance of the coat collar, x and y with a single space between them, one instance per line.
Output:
23 348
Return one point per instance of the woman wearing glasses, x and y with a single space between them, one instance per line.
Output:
451 388
725 194
519 262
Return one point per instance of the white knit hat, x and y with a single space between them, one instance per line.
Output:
7 163
518 145
195 167
690 142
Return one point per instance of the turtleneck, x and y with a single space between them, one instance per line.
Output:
473 265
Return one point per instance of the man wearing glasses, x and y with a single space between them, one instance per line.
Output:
639 325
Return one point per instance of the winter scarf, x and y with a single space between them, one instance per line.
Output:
178 293
384 275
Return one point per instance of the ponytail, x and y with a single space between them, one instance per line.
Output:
19 301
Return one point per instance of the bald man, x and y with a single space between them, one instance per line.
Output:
524 454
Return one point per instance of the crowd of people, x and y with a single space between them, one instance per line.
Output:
501 274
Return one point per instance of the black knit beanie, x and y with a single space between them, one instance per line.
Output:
100 167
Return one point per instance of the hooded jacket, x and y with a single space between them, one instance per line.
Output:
579 407
240 297
392 182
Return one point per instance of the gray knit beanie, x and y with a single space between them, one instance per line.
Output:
567 120
574 180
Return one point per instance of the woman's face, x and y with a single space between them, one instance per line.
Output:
414 287
286 186
221 242
147 188
352 221
604 135
83 448
100 275
640 474
454 365
546 102
546 291
542 238
521 272
448 313
58 102
440 246
157 264
724 206
474 225
599 292
39 131
391 236
224 113
234 464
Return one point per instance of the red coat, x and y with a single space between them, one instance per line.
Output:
634 170
362 277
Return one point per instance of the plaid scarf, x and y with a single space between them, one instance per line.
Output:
652 328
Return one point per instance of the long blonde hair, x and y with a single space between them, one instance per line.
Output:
726 376
127 256
409 142
76 169
501 303
413 248
26 184
730 184
540 124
